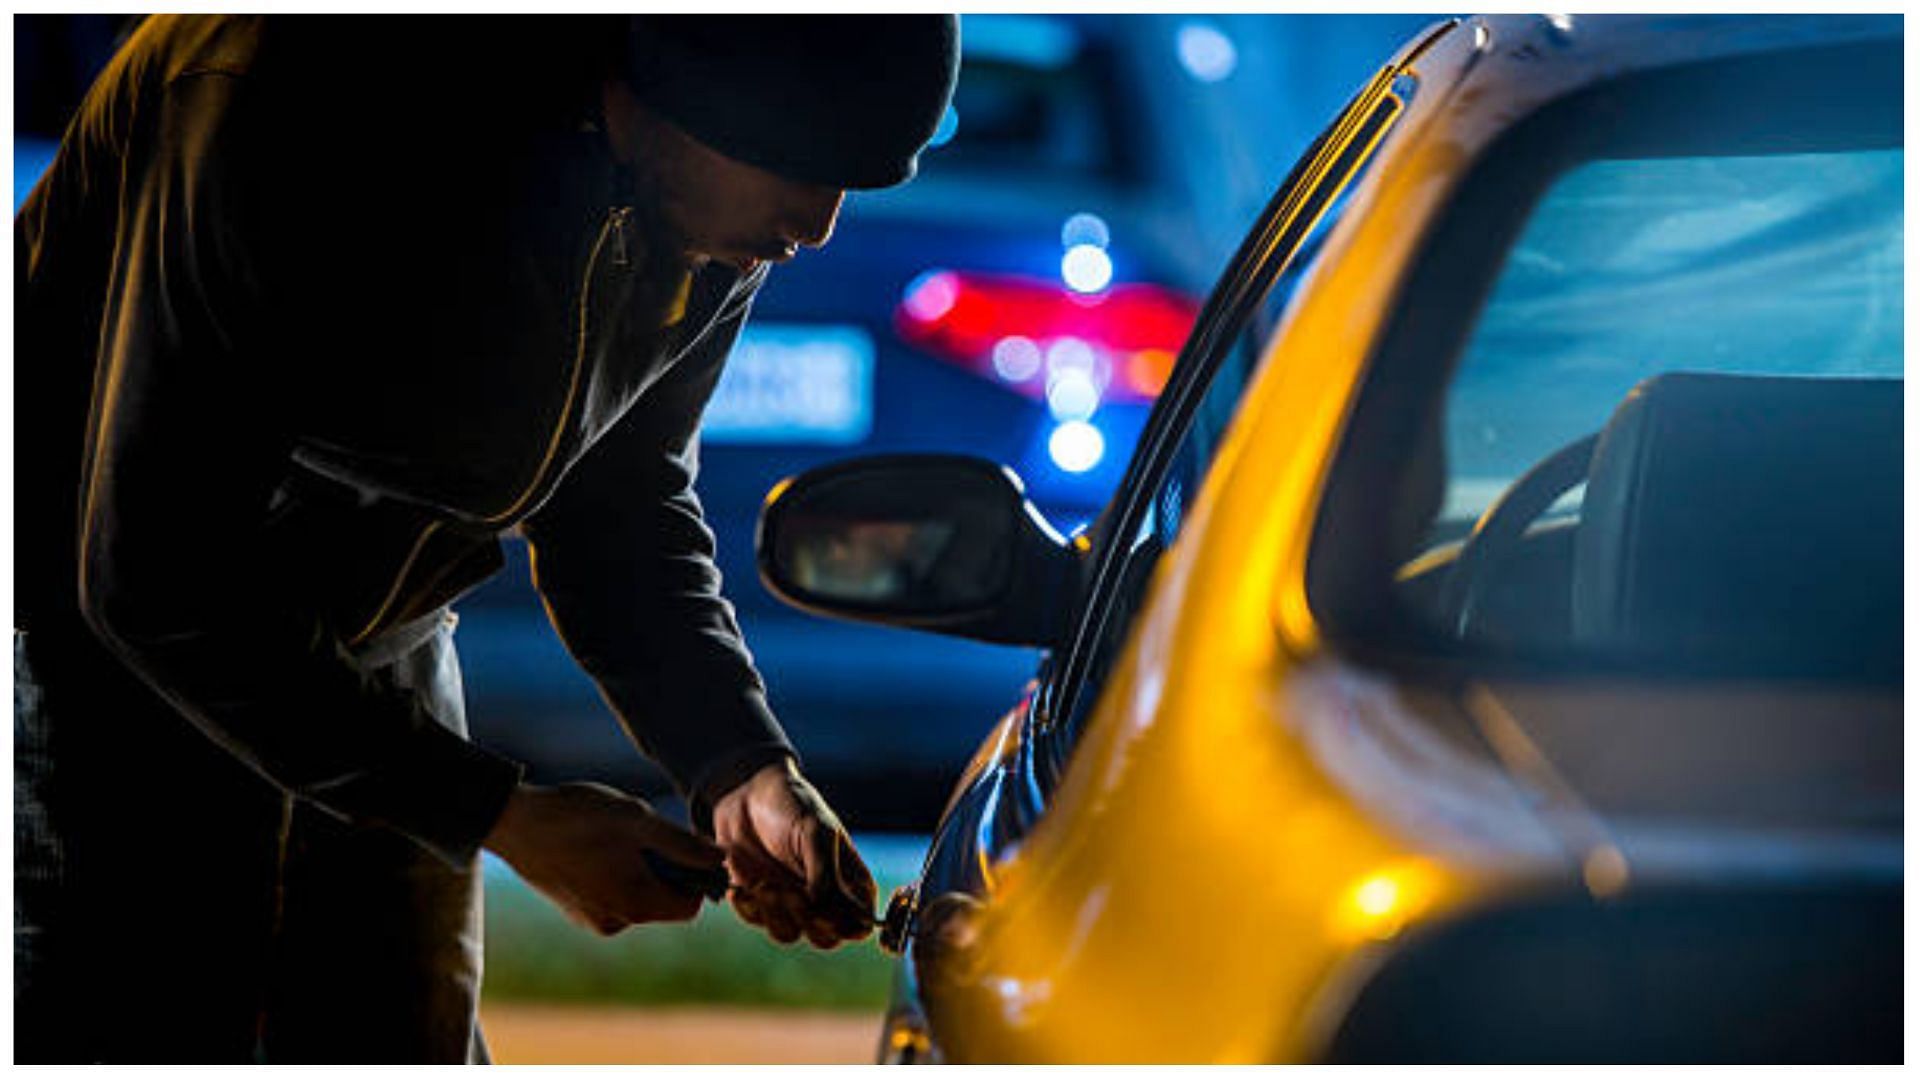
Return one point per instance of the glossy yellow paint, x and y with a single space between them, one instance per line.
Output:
1201 887
1122 932
1378 907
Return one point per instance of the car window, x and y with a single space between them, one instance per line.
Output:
1165 512
1192 417
1703 333
1641 409
1782 264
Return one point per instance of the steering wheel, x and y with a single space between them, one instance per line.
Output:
1498 532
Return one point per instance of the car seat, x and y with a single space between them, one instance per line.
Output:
1746 521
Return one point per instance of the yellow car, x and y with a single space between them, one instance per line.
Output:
1493 650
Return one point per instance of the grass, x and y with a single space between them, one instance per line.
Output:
535 954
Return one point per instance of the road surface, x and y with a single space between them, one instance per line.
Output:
527 1033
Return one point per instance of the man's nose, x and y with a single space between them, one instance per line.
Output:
814 218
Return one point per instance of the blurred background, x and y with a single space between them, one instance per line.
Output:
1021 300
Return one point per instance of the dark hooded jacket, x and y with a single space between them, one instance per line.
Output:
307 316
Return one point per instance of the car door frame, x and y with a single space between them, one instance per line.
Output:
1000 803
1317 179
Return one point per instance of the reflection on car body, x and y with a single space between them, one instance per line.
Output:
1500 660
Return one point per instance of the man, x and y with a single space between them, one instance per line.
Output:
309 312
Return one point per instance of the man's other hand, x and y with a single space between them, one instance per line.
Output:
581 846
794 868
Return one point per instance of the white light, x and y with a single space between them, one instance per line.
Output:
1206 53
1072 396
1086 269
1076 446
1069 355
1016 359
1562 23
1377 896
1084 228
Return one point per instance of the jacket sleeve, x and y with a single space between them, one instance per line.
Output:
185 452
624 559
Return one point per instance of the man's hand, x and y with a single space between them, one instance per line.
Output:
793 866
581 846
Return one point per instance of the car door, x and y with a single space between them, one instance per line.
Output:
1006 788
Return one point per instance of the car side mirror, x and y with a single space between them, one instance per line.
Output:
935 542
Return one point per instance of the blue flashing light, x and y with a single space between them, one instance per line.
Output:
1206 51
1086 269
1084 228
1072 396
949 123
31 158
1076 446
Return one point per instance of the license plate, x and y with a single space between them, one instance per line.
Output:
793 383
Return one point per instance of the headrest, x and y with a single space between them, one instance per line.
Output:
1749 521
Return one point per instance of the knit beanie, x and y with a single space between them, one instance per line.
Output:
847 101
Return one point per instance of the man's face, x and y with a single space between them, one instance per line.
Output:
717 208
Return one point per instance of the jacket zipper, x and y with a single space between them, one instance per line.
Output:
616 228
620 255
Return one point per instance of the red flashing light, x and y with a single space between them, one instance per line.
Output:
1135 330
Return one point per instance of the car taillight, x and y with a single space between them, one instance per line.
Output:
1069 349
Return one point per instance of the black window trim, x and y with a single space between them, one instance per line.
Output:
1269 248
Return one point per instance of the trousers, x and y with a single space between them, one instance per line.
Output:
173 906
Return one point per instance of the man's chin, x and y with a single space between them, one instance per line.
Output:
699 260
745 264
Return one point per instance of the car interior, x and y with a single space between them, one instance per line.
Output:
1734 521
1651 421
